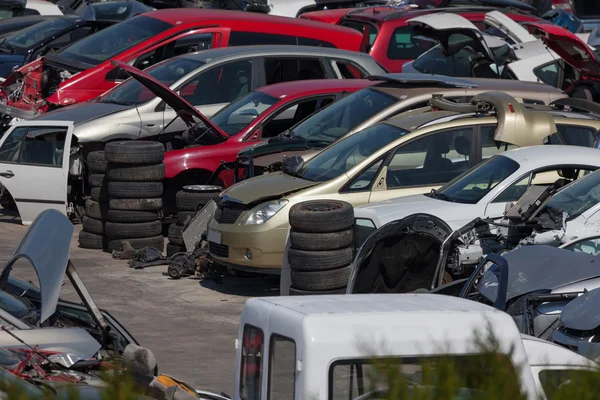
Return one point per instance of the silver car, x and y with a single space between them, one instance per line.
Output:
208 80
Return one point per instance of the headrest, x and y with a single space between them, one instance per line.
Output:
462 145
568 173
140 360
440 145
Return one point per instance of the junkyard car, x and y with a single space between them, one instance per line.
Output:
295 8
405 155
393 95
83 70
18 8
326 346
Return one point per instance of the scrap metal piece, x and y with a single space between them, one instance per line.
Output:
196 228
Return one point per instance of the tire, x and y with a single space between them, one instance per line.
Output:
157 242
135 190
321 241
96 162
312 261
320 216
99 194
135 204
135 173
193 201
299 292
202 189
89 240
175 235
132 216
174 249
117 230
92 225
182 216
96 210
321 280
97 180
134 152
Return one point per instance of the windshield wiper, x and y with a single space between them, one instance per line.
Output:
119 103
4 43
318 143
435 194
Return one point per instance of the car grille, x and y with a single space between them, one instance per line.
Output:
219 250
228 212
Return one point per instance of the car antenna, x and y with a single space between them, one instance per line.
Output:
32 348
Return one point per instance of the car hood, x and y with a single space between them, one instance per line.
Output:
567 45
264 187
46 246
82 112
582 313
185 110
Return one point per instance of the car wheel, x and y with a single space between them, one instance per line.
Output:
321 280
135 204
117 230
303 260
176 235
95 209
299 292
99 194
96 162
97 180
173 249
132 216
89 240
182 217
93 225
193 201
134 152
135 190
135 173
317 216
321 241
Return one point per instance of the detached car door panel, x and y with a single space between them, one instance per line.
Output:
34 166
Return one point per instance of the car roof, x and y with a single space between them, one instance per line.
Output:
321 85
180 16
539 156
236 52
380 14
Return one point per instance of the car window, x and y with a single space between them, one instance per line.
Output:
431 159
251 363
41 146
588 245
577 198
489 147
221 84
361 27
285 69
237 115
282 368
560 383
403 45
349 70
575 135
292 114
258 38
184 45
548 74
37 33
364 180
436 62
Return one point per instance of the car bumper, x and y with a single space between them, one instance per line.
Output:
16 112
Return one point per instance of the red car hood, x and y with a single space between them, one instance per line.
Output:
572 49
184 109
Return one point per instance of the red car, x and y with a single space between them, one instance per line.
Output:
391 41
84 71
259 115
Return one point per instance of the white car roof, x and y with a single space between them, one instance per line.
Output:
542 352
539 156
44 7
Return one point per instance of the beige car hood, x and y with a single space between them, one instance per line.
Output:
268 186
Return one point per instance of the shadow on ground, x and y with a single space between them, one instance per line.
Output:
245 286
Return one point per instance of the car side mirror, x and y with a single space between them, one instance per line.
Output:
292 165
144 64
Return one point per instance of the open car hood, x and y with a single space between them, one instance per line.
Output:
508 27
567 45
46 246
185 110
582 313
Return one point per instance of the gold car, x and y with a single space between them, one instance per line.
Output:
405 155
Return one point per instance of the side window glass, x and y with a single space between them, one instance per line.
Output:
30 11
404 46
220 84
257 38
302 41
489 147
364 180
548 74
282 368
192 43
349 70
514 191
431 160
291 115
9 152
251 365
589 246
42 146
146 60
574 135
293 69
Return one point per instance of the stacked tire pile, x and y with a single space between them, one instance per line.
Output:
321 246
189 200
135 174
92 235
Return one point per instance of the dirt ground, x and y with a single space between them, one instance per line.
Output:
190 324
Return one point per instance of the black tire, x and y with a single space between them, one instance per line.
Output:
93 225
96 210
321 241
134 190
321 280
96 162
202 189
135 173
117 230
176 235
97 180
135 204
132 216
157 242
134 152
174 249
319 216
92 241
300 292
182 216
303 260
99 194
193 201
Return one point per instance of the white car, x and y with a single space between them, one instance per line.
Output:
28 7
294 8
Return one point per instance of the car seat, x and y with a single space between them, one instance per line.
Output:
462 145
567 175
434 158
482 69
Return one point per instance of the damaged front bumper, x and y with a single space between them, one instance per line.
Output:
15 112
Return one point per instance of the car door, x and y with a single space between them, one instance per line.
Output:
34 166
424 163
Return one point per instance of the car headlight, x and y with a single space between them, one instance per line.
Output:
263 212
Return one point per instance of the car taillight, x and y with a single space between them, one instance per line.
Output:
563 5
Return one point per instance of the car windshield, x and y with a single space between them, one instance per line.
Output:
113 40
576 198
31 36
348 153
473 184
132 92
237 115
330 124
